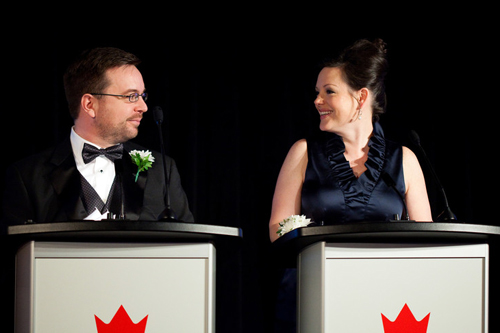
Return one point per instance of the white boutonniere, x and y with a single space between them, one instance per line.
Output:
291 223
143 159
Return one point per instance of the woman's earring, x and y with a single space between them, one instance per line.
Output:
360 113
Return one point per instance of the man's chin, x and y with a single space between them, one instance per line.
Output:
124 136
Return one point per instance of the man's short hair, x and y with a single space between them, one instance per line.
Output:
87 74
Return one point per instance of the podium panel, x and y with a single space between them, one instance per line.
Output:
385 287
84 287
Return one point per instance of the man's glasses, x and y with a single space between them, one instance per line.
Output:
132 97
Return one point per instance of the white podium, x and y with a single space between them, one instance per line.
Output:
352 287
108 286
393 277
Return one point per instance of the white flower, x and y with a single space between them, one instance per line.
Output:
291 223
143 159
143 154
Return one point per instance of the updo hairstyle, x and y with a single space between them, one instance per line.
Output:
364 65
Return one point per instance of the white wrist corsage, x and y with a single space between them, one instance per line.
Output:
143 159
291 223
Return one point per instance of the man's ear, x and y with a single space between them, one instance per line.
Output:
88 105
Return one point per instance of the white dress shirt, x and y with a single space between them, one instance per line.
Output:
100 173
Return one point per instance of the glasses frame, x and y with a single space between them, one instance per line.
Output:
132 98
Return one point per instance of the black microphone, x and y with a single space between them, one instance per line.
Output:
446 215
168 214
392 184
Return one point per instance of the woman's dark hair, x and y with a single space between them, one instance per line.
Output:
87 74
364 65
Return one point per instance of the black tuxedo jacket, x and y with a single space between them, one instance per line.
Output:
46 188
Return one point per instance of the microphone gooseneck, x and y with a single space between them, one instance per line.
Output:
392 184
446 215
168 214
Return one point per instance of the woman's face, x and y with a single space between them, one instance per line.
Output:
335 102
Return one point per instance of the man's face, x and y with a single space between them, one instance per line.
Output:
117 119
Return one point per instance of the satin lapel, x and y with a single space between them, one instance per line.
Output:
133 191
65 179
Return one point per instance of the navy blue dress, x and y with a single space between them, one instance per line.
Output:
332 194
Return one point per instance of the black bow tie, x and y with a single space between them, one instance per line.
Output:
90 152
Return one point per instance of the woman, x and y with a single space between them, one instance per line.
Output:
342 176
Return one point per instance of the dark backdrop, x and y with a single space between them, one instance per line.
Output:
237 90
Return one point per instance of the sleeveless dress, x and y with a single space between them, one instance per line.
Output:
331 193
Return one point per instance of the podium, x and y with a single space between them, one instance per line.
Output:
108 276
393 277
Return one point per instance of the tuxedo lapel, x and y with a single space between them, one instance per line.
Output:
65 180
133 191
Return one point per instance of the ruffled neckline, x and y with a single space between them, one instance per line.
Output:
356 189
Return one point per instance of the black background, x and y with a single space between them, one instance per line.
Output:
237 88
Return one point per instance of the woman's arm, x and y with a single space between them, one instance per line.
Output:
287 195
416 193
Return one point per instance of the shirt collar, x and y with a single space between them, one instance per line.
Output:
77 143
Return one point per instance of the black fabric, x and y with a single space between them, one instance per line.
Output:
90 153
332 194
92 200
47 188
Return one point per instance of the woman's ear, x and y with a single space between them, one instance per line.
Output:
364 93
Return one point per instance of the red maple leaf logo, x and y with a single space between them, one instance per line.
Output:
405 322
121 323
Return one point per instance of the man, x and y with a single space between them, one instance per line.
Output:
91 174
